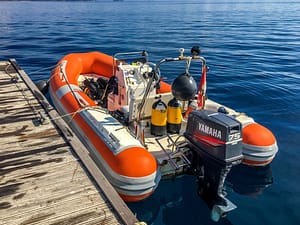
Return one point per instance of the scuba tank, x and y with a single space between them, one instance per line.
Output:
91 88
158 118
174 116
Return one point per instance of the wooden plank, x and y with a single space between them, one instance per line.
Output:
119 205
42 181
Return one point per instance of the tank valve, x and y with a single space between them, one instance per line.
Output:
181 51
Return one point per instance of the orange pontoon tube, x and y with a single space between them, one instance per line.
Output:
130 168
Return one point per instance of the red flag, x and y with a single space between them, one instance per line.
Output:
202 89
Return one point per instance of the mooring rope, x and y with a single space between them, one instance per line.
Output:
38 115
14 78
43 69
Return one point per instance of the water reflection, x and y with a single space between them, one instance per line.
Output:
175 202
251 181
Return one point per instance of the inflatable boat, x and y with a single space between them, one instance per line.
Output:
139 128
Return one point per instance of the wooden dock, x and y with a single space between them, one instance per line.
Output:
46 174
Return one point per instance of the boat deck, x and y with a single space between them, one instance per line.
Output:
46 174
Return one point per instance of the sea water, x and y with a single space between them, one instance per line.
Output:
253 53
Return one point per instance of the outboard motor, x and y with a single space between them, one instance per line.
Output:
216 143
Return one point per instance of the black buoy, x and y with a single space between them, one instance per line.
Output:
184 87
42 85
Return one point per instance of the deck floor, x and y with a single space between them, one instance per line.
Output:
42 179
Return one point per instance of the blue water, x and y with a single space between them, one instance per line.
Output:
252 49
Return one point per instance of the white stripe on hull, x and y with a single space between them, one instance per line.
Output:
130 186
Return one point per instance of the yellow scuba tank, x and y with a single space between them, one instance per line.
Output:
174 116
159 118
